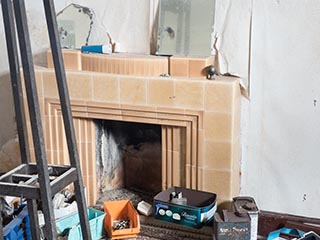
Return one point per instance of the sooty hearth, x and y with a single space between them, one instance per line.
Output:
128 156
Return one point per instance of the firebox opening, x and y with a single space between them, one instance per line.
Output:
128 156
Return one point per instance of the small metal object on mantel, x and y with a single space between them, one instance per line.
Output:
210 72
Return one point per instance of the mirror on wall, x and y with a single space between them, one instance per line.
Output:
74 24
185 27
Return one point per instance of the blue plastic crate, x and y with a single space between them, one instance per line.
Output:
18 228
71 223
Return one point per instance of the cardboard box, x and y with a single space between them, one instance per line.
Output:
200 208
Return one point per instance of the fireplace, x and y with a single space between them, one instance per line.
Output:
199 122
128 155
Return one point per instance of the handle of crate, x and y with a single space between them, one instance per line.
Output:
276 234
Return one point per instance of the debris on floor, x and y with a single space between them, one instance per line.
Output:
63 204
144 208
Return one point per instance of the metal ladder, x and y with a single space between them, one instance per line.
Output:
39 181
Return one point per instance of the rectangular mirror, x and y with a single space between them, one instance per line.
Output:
185 27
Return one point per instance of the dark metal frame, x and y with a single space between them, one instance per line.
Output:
39 181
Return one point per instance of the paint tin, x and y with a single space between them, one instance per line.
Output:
247 206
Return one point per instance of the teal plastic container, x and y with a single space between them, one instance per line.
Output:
71 223
199 210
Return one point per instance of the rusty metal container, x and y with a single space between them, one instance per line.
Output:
230 226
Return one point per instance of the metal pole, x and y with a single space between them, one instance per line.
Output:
11 40
1 222
34 221
67 115
35 118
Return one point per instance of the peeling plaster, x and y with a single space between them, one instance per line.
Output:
232 33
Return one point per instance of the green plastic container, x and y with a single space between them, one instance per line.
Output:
71 223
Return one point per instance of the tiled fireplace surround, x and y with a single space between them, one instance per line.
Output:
208 111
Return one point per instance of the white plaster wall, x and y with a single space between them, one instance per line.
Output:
282 150
127 21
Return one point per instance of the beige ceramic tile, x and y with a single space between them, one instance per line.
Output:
237 114
194 148
176 178
71 58
218 182
176 139
200 149
188 176
49 85
219 96
197 66
194 173
80 85
236 171
104 110
39 83
137 108
218 126
170 111
179 66
161 92
85 161
200 179
106 88
169 139
164 156
188 146
189 94
133 90
218 155
142 65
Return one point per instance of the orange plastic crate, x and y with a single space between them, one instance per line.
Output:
116 210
